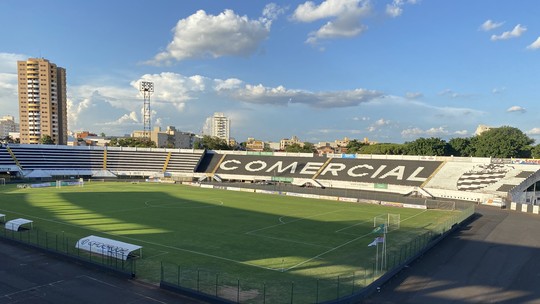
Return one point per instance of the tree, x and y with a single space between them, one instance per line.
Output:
297 148
46 140
132 142
461 146
535 151
354 146
503 142
102 134
212 143
432 146
384 148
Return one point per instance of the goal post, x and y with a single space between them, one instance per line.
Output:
391 221
2 181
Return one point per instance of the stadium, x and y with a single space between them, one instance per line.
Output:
307 219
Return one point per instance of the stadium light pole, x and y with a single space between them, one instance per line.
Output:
146 88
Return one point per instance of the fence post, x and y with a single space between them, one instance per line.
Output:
317 292
198 278
217 277
178 275
337 296
264 293
238 292
352 290
292 292
46 240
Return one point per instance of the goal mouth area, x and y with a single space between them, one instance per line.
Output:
389 221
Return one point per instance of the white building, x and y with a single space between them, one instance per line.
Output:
8 125
218 126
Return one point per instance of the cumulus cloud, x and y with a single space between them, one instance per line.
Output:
533 131
344 18
8 83
395 8
259 94
432 132
452 94
378 124
517 31
498 90
516 109
414 95
489 25
535 45
174 88
227 34
363 118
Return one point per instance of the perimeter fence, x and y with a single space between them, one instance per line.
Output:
64 246
221 287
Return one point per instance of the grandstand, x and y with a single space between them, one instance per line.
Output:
481 180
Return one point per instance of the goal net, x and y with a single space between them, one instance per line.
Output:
390 220
2 181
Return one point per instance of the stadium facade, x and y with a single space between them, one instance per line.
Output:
489 181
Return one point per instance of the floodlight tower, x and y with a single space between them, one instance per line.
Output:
146 88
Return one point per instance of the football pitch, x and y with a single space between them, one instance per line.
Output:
247 236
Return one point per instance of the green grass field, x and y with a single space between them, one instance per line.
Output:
246 236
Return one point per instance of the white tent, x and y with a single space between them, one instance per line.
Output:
109 247
16 223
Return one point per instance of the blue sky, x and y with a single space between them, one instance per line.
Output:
392 70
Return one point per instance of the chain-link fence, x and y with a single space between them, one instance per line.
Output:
232 289
65 246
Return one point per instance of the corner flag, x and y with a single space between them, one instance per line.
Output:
377 240
379 229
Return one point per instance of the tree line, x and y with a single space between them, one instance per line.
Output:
503 142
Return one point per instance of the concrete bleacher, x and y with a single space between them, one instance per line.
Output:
473 179
52 160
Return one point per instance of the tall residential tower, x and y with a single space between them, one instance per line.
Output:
42 101
218 126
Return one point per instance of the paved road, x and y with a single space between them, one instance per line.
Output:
494 259
30 276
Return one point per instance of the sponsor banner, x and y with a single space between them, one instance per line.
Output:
42 185
282 179
191 184
504 161
524 207
497 202
393 204
247 190
368 201
265 191
379 171
513 206
380 186
526 161
348 199
536 209
328 197
348 155
207 186
414 206
220 187
233 188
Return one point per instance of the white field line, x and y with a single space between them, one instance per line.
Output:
328 251
147 242
9 295
299 219
287 240
156 255
346 243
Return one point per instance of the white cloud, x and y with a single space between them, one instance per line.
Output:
432 132
227 34
489 25
533 131
413 95
395 9
516 109
8 83
517 31
378 124
461 133
535 45
259 94
498 90
452 94
344 14
363 118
